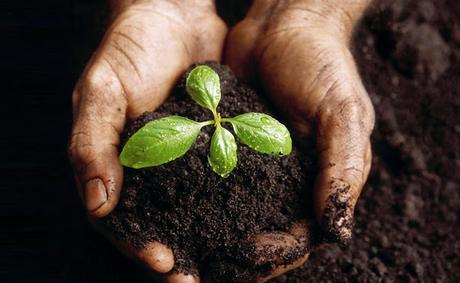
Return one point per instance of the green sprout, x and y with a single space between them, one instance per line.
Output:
163 140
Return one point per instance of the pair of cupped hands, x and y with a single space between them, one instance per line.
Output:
297 50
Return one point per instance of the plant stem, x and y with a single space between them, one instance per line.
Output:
207 123
216 116
226 120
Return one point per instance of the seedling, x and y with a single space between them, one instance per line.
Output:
163 140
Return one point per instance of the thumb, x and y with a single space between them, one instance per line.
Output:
344 128
99 108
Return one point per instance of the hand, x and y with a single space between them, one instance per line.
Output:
147 47
299 52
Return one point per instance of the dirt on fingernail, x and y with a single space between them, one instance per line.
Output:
337 220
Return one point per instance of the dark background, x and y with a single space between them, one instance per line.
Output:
44 236
408 218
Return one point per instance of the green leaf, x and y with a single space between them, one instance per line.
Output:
203 85
262 133
159 142
222 156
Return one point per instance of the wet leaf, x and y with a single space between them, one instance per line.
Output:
262 133
203 85
222 156
159 142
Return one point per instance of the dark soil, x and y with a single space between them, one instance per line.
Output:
408 218
207 220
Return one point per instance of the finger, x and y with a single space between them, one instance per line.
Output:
264 256
239 49
367 161
155 256
344 127
174 277
243 39
278 252
283 269
99 117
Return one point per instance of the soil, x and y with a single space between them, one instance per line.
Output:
209 221
408 218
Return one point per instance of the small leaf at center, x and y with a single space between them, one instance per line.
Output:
222 157
203 85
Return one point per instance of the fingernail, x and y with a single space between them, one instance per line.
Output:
338 215
95 194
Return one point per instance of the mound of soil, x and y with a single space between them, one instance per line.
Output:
205 219
408 217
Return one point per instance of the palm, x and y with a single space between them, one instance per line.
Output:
147 48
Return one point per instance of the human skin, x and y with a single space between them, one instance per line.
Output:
297 49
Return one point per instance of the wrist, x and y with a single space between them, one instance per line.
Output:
116 7
327 16
343 17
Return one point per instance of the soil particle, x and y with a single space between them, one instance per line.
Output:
413 204
423 52
378 267
210 222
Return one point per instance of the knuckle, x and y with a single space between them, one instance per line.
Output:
99 84
94 82
79 150
350 111
371 114
75 98
97 94
71 152
365 114
72 149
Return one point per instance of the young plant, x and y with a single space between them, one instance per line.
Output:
166 139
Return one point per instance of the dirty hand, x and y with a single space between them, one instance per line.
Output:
147 47
299 52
